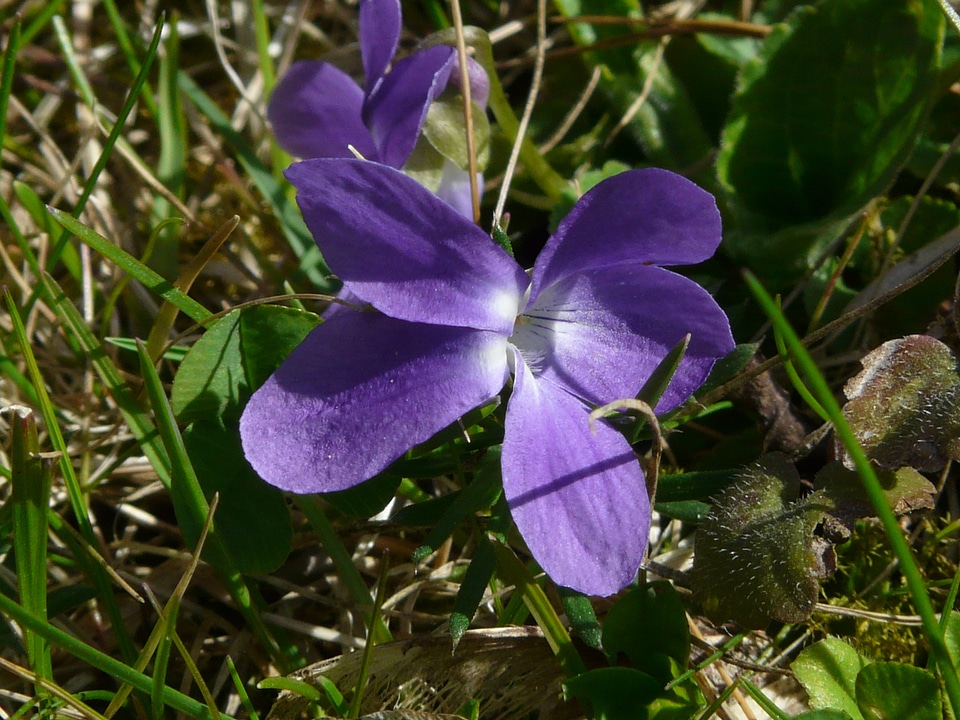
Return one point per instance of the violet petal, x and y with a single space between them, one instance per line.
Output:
396 110
454 189
577 497
601 333
380 24
651 216
479 82
358 392
315 112
409 254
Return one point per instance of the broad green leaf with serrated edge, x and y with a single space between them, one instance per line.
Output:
828 672
757 558
896 691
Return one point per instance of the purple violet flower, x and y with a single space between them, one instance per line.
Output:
452 317
317 110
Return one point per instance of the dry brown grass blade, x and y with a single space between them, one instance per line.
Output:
512 672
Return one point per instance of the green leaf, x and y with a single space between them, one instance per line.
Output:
666 126
896 691
583 620
828 671
426 513
472 588
692 511
757 558
825 117
823 715
268 333
615 693
905 490
236 355
480 494
693 485
951 635
912 311
253 521
708 65
445 131
210 382
902 406
648 621
727 367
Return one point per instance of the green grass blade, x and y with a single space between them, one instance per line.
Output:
126 47
6 87
908 566
139 422
363 673
31 202
262 29
241 690
47 11
115 132
171 168
75 494
513 572
193 503
130 265
29 499
763 701
6 74
122 672
73 65
795 378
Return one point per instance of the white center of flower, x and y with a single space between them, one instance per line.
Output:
506 304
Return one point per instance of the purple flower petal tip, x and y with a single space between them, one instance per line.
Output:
315 95
648 216
380 25
576 493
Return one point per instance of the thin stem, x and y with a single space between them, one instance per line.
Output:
527 110
467 108
951 14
